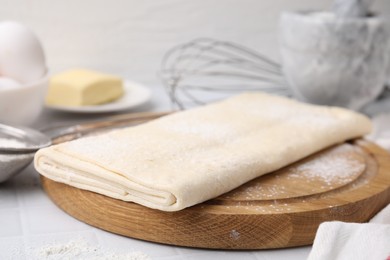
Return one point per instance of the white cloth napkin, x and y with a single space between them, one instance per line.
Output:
339 240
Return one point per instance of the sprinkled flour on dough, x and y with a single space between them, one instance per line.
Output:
80 249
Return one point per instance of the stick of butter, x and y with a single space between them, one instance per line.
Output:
81 87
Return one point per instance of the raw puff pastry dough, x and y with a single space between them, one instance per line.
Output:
188 157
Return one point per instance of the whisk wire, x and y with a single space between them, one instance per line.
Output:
210 65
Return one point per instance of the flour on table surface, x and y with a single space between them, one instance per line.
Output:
80 249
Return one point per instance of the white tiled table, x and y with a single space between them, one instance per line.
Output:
29 220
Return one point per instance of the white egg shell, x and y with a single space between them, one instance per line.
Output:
21 54
8 83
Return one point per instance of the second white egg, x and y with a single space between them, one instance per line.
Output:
21 54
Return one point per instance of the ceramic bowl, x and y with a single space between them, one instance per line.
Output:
22 105
330 60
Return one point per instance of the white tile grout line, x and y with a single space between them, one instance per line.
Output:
22 215
23 210
94 231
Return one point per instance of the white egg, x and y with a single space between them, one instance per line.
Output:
8 83
21 54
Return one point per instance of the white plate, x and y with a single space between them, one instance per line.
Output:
135 95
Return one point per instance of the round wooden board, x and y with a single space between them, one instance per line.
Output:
349 182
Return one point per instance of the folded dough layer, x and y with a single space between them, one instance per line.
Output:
188 157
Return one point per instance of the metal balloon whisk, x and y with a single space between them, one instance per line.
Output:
219 68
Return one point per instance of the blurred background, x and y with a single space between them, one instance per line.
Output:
129 37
